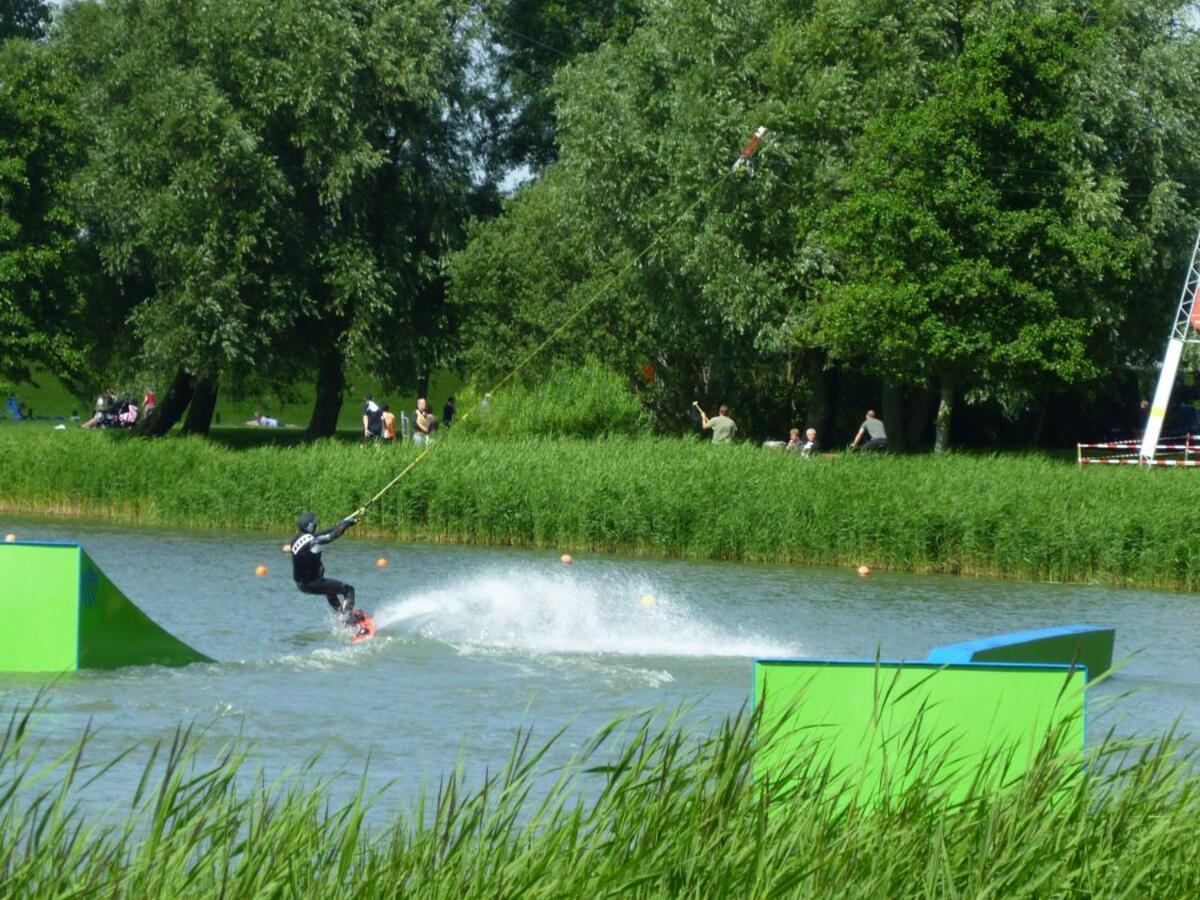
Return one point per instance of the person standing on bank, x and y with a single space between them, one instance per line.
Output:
309 571
723 427
372 418
422 422
872 428
448 411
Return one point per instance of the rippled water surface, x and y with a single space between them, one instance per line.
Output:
476 643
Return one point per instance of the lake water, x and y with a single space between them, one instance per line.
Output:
476 643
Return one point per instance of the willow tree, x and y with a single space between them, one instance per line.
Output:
975 198
280 177
44 265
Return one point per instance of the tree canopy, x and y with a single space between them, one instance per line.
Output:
972 199
981 202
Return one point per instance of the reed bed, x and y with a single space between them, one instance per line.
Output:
645 810
1021 516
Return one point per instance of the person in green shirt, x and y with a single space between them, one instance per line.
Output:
723 427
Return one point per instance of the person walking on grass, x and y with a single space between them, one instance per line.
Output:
723 428
871 428
372 418
309 571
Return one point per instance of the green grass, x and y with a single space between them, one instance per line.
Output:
1013 516
648 811
48 397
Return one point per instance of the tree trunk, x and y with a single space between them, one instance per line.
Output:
942 423
822 387
892 414
920 408
331 383
169 411
204 403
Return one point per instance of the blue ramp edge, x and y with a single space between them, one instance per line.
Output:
1089 646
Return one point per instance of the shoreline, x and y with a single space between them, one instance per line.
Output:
53 512
1024 518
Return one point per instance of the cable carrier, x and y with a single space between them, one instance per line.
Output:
1186 330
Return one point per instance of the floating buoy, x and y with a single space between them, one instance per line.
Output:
381 562
864 571
566 559
287 548
648 600
260 571
10 538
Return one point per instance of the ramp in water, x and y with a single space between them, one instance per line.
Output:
60 612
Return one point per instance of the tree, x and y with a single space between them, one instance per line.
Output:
529 41
43 263
974 199
994 218
282 175
23 19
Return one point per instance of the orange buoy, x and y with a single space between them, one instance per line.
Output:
864 571
566 559
260 571
382 562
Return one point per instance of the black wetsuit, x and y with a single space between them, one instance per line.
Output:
309 571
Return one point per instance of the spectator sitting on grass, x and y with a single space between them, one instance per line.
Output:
810 447
263 421
105 416
793 442
127 413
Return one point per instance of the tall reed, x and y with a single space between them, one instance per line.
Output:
1018 516
649 810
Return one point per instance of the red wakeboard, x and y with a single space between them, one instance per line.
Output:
363 625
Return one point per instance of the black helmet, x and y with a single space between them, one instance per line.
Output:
307 522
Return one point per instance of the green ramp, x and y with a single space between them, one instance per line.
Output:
880 726
60 613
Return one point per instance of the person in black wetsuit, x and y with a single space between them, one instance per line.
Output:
309 571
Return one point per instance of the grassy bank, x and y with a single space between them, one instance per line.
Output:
657 813
46 396
1016 516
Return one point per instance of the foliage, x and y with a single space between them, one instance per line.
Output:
977 198
279 178
645 810
23 19
586 401
995 213
43 273
1015 516
530 41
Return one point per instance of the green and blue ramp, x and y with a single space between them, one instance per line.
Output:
59 612
877 726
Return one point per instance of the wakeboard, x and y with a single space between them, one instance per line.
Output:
363 626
